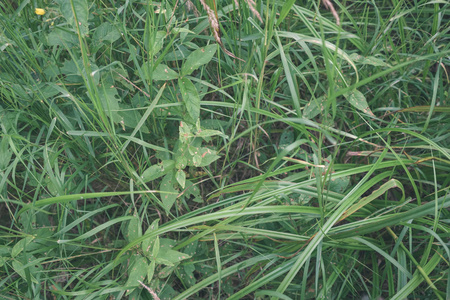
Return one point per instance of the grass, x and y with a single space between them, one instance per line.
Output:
148 154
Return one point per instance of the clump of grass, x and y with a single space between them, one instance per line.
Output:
140 159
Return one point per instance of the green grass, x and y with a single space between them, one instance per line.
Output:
138 160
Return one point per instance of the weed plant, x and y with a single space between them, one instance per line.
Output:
224 149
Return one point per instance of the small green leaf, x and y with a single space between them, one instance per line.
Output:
185 132
109 98
181 178
151 271
163 72
134 229
157 43
60 37
19 269
81 9
20 245
369 60
169 194
106 32
158 170
5 153
171 257
147 244
196 160
208 156
190 97
357 99
314 107
205 133
198 58
156 247
136 273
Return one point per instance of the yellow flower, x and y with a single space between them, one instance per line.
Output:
39 11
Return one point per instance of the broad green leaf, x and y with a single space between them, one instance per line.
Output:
187 274
198 58
2 261
369 60
163 72
130 118
19 269
134 229
205 133
164 273
81 9
61 37
181 178
169 194
171 257
314 107
208 156
109 98
154 43
190 97
136 273
184 132
151 271
158 170
339 185
357 99
20 245
285 10
147 244
196 160
181 159
106 32
286 138
5 153
156 247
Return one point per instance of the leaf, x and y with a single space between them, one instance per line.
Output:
369 60
205 133
5 153
357 99
151 271
131 117
147 244
81 14
169 194
163 72
181 178
106 32
60 37
184 132
314 107
134 229
20 245
171 257
198 58
190 97
158 170
156 247
137 272
19 269
208 157
109 98
286 138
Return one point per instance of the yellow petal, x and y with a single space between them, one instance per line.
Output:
39 11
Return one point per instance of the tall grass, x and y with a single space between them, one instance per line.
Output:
240 150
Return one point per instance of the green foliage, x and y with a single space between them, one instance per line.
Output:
282 157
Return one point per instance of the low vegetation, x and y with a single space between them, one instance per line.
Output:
228 149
